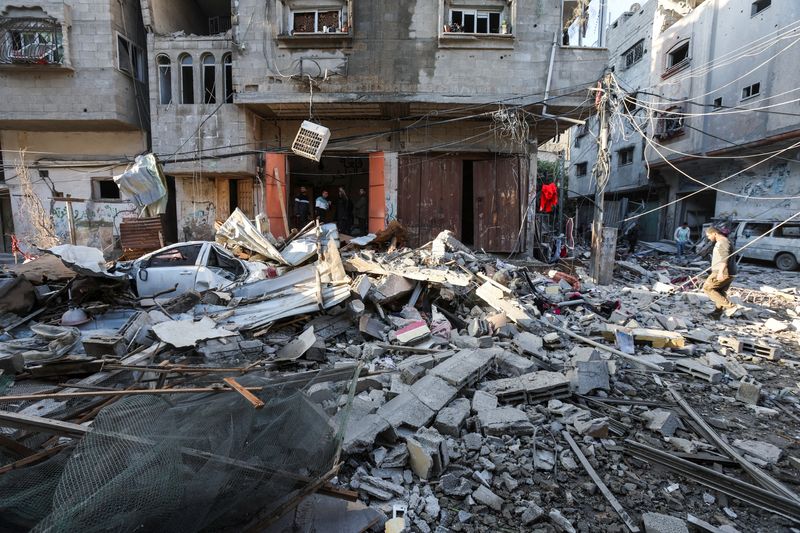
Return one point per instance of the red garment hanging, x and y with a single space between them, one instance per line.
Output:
548 197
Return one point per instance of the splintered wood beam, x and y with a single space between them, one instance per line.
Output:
249 396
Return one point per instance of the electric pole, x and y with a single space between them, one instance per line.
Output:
604 240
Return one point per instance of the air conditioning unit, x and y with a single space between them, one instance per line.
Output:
311 140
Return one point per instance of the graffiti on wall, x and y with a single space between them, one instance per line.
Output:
198 225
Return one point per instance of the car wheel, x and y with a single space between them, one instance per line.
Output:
786 261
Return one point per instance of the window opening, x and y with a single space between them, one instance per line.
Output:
669 123
625 156
178 256
317 21
582 169
474 21
105 189
164 80
678 57
751 90
718 103
30 40
227 74
759 5
187 80
209 80
634 54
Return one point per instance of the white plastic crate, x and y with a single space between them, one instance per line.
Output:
311 140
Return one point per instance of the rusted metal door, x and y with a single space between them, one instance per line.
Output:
498 193
429 196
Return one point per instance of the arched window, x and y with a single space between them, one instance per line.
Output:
187 79
164 80
209 79
227 77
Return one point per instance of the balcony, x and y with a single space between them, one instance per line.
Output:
31 41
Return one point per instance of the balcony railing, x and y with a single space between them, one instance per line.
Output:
30 41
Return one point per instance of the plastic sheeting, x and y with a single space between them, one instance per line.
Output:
145 185
84 260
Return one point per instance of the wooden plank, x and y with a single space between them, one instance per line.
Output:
223 205
15 447
38 423
249 396
244 197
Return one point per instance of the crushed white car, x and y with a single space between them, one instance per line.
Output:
185 266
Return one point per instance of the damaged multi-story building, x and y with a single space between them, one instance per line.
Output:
713 86
73 113
435 107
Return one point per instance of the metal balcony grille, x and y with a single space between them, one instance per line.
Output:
31 41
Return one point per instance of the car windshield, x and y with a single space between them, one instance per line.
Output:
218 259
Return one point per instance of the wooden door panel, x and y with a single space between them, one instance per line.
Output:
497 186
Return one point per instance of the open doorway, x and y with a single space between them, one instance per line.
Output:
345 178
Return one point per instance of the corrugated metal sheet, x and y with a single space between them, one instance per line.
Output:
142 235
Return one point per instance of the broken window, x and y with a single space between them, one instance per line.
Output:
105 189
758 6
582 23
224 264
751 91
209 79
476 21
130 58
317 21
677 58
582 169
177 256
669 123
164 80
187 79
756 229
634 54
227 76
30 40
625 156
718 103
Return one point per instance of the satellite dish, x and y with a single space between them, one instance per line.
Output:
635 7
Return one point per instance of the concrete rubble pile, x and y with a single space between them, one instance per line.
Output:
471 393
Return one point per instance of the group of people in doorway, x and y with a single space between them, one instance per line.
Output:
349 214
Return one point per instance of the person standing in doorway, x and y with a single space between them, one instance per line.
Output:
323 207
682 238
360 211
723 272
343 211
301 209
633 237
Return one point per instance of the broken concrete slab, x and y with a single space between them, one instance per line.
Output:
662 421
529 388
482 401
662 523
529 343
433 391
513 365
505 421
406 409
748 392
391 288
360 434
488 498
428 453
455 486
451 419
588 376
765 451
466 367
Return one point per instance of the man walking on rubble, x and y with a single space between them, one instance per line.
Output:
723 272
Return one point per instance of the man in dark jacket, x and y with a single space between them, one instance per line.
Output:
301 208
360 211
343 217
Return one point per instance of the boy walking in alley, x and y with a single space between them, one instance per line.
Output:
723 272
